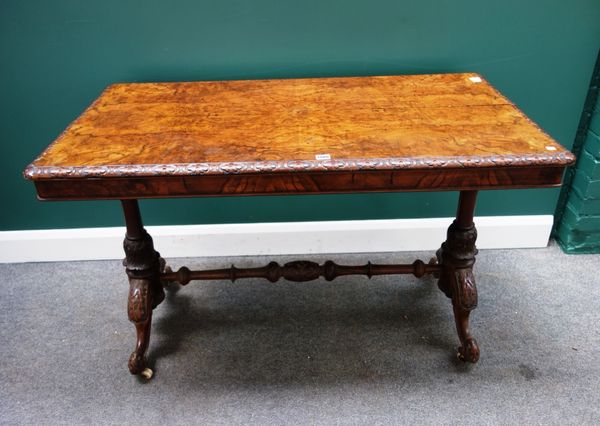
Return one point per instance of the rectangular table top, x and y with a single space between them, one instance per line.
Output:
157 134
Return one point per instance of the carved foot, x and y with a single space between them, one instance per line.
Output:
469 352
137 362
137 365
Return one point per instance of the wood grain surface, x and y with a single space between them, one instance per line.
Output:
300 129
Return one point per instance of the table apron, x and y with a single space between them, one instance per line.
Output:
299 183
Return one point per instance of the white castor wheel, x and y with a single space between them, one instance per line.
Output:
147 373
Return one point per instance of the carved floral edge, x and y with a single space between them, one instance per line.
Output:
34 172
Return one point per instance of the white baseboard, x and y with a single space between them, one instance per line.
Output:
272 238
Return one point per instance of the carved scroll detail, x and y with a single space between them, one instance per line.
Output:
138 302
466 289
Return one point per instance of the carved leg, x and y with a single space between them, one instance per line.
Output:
457 256
145 289
139 310
464 300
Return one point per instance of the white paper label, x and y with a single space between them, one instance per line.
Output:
323 157
475 79
551 148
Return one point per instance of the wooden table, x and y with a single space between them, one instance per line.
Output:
301 136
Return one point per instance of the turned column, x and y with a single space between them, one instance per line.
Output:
456 257
143 266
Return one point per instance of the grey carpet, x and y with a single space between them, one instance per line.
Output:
351 351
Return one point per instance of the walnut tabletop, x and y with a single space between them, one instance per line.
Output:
389 133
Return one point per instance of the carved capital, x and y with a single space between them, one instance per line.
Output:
460 245
140 255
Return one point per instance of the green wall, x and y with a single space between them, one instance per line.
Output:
56 56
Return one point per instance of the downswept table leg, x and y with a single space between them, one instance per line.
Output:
457 256
143 266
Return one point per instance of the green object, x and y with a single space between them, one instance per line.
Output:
583 206
578 224
586 187
575 241
595 125
57 57
589 164
577 221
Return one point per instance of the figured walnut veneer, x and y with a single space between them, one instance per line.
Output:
393 133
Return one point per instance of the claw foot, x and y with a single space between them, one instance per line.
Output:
469 352
137 363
